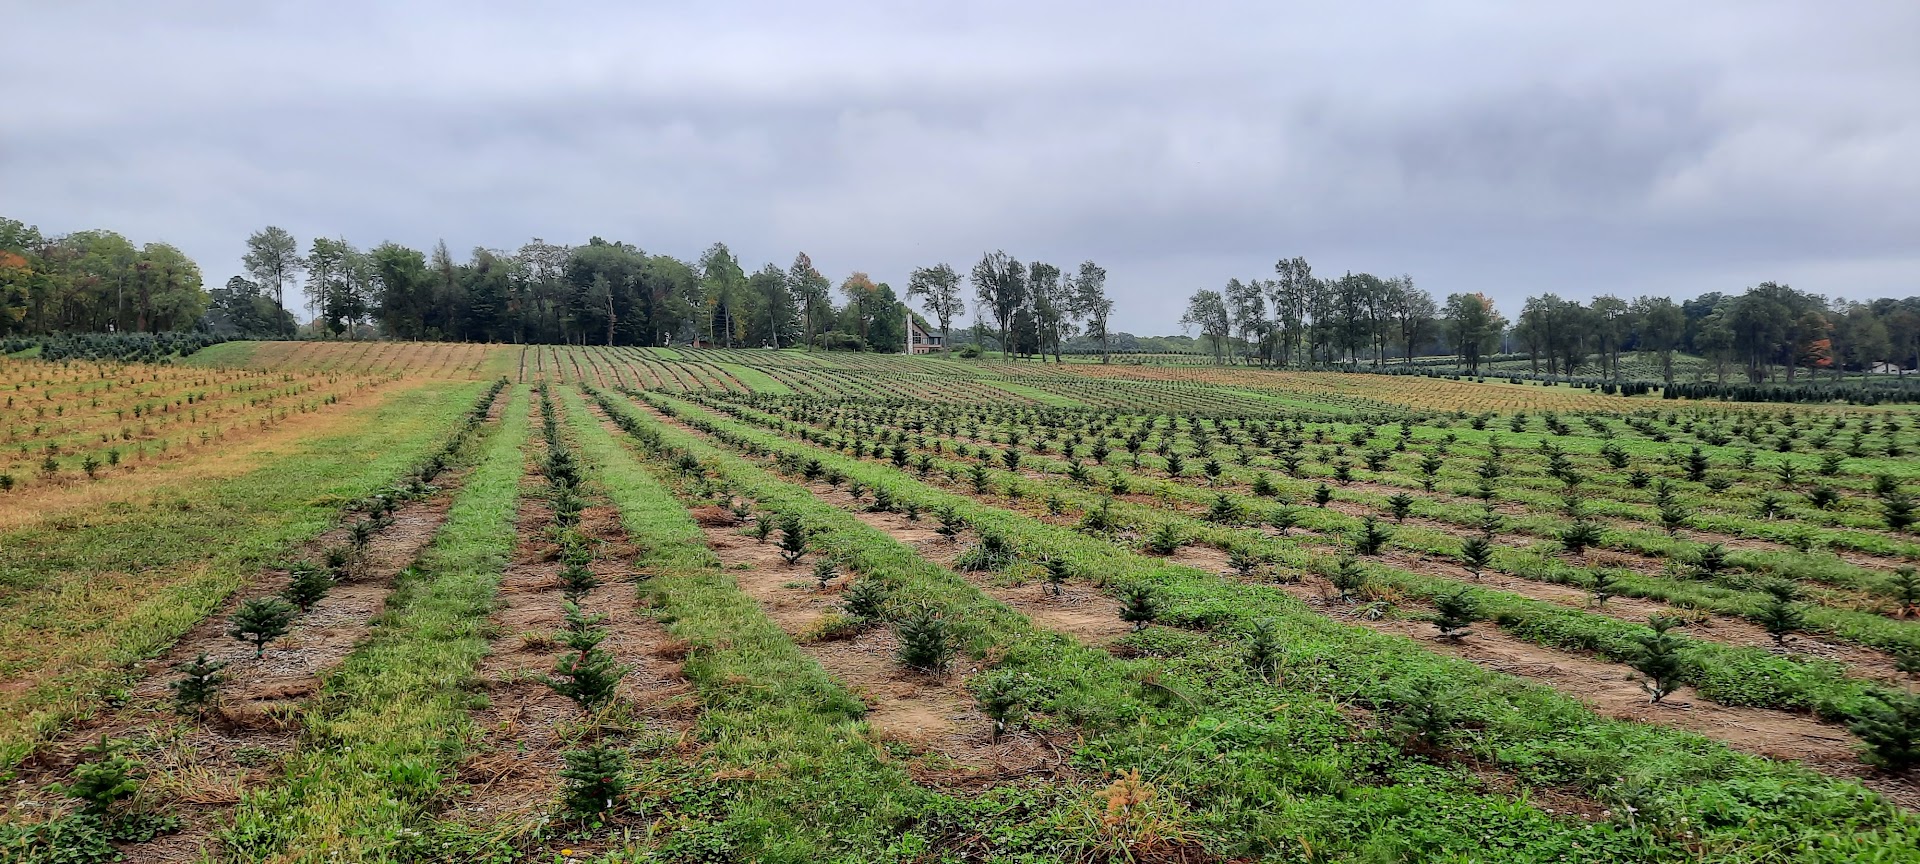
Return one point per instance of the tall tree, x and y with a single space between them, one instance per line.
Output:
1208 311
1660 325
402 290
721 284
1091 304
1413 313
1248 307
1474 327
999 285
273 261
809 289
769 285
1292 294
939 289
1052 307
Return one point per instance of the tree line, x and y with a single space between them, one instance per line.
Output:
1768 332
1298 319
93 281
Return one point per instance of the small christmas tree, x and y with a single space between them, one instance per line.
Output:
925 641
195 689
1475 554
261 620
309 585
1454 612
1263 648
1139 606
1658 658
596 779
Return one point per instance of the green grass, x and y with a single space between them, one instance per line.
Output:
1544 737
383 736
177 557
238 353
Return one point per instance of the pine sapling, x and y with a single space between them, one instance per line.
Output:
1454 611
824 571
1371 537
1401 504
261 620
1890 727
1475 554
596 779
1906 592
1780 614
793 539
926 642
1657 656
1058 572
1165 539
576 580
865 600
1263 648
1322 494
1139 606
308 586
1604 585
200 679
1349 576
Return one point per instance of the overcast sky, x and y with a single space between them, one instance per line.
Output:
1508 148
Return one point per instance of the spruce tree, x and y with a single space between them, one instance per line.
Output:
261 620
1401 504
926 642
1370 537
1454 611
308 586
1780 614
1890 727
1139 606
200 678
1475 554
1263 648
793 539
1348 577
1657 656
596 779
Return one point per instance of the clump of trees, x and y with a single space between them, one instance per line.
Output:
93 281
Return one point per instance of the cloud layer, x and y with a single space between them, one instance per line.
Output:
1500 147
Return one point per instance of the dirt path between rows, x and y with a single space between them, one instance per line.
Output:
1613 690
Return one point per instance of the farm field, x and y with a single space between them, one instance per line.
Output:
421 602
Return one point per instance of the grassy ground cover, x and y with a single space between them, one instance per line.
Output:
381 737
83 597
1668 777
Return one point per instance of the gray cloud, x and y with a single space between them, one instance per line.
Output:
1505 148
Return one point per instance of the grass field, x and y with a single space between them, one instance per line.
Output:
410 602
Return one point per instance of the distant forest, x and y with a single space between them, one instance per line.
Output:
606 292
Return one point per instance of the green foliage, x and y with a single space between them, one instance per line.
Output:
926 640
1349 576
1658 657
200 679
1371 536
865 600
793 539
1780 614
1454 611
1321 495
308 586
1263 648
102 782
1401 504
1580 534
1139 605
1475 554
596 779
1890 729
825 571
261 620
1165 539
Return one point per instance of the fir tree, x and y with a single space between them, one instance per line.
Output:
1401 504
261 620
1263 648
1657 656
793 539
1371 537
925 640
308 586
1454 611
1475 554
1349 576
596 779
1139 606
1890 727
200 678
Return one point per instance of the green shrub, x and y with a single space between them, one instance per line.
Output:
261 620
